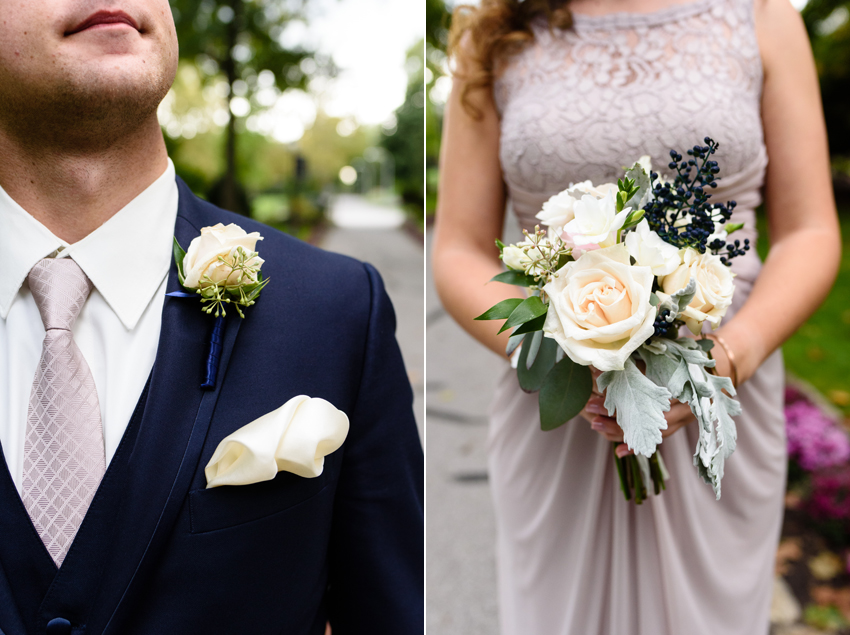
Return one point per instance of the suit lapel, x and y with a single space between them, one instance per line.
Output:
147 481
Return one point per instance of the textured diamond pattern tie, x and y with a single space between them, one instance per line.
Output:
63 449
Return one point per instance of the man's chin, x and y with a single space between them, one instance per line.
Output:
99 41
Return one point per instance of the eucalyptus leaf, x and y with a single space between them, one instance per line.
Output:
533 347
513 277
564 393
513 342
706 344
527 310
639 405
501 311
531 375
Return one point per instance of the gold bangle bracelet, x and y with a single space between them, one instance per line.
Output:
729 355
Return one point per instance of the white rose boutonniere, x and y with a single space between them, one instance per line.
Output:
222 266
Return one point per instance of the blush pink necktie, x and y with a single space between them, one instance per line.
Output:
63 449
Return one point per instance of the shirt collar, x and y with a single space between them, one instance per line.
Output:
126 258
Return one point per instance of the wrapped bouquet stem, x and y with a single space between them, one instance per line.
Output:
619 270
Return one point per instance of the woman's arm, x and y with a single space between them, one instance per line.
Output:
804 235
470 214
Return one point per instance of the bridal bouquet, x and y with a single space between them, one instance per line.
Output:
619 269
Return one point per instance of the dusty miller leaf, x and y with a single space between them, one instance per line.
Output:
639 404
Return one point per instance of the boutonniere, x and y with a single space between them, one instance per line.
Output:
222 268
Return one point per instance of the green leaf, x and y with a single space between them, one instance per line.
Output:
500 311
179 255
564 393
527 310
706 344
533 348
732 227
639 405
500 245
530 327
513 277
653 299
531 376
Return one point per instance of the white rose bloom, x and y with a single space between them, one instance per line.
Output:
558 210
715 288
649 250
599 308
202 257
596 221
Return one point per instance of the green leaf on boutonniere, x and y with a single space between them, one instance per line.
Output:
527 310
564 393
513 277
179 255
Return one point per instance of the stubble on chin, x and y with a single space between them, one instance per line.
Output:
82 110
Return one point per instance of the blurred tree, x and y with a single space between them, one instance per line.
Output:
437 22
241 40
828 24
407 141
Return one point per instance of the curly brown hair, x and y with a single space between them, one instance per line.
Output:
482 35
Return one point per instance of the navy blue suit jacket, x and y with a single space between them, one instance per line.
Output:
157 553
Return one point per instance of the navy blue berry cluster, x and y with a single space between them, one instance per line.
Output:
681 214
662 327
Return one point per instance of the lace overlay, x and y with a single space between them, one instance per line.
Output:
576 104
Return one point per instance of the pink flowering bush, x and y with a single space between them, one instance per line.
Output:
815 441
830 497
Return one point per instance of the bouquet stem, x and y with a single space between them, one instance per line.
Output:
631 476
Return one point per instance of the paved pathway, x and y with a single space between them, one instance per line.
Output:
460 529
374 234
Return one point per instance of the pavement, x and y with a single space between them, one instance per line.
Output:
460 526
376 234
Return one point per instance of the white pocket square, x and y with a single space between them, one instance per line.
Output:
295 438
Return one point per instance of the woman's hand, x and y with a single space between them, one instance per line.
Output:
594 411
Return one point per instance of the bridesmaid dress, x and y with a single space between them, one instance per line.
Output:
574 558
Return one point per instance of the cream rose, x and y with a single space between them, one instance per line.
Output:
559 209
599 308
596 222
202 266
649 250
714 288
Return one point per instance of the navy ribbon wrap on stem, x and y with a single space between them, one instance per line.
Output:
217 337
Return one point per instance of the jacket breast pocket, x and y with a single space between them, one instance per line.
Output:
232 505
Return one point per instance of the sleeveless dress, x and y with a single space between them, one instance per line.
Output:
573 557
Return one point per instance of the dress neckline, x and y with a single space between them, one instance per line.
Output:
625 19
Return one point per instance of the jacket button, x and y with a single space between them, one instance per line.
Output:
58 626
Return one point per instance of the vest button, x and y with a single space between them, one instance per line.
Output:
58 626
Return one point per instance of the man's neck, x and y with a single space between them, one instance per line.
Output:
73 192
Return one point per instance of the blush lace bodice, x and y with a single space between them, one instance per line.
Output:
580 103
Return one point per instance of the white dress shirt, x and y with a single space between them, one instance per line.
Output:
127 259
